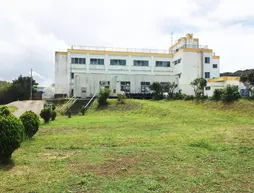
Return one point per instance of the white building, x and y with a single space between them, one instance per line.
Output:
83 71
222 82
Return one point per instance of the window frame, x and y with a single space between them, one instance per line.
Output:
124 85
99 61
209 60
208 74
141 63
118 62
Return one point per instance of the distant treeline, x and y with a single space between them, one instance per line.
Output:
18 89
236 73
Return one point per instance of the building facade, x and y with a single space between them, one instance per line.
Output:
222 82
83 71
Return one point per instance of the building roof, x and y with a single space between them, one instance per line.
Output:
224 78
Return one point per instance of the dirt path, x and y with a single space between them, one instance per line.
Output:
23 106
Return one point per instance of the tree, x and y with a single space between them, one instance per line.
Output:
21 87
247 78
170 87
199 84
103 97
157 88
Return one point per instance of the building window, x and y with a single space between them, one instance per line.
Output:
125 86
95 61
207 74
162 64
177 61
114 62
104 84
140 62
145 87
215 66
207 60
208 88
78 60
72 75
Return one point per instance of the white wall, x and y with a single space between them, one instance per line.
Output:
61 76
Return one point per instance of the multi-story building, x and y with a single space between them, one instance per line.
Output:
83 71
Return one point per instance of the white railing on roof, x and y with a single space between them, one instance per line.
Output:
115 49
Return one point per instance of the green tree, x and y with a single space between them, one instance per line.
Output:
21 87
157 88
247 78
170 87
199 85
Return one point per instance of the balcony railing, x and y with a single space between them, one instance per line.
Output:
116 49
138 50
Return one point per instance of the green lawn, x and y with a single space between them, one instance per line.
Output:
143 146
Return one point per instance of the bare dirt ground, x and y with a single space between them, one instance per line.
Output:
23 106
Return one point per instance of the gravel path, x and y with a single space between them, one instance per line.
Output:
23 106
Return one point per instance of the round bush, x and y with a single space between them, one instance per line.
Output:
31 123
53 115
11 136
46 114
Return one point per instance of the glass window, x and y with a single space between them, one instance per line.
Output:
114 62
78 60
125 86
95 61
207 74
140 62
208 88
162 64
145 87
207 60
72 75
215 66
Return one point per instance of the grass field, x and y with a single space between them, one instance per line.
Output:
143 146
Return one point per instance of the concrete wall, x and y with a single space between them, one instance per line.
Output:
61 74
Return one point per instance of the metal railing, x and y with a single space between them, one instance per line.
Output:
117 49
138 50
90 101
68 104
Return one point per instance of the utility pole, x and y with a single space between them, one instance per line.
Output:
31 85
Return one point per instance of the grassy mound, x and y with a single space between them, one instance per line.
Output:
141 146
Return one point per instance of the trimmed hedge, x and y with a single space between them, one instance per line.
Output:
53 115
31 123
11 134
46 114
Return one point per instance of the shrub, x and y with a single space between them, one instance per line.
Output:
4 111
31 123
53 107
120 98
69 113
83 110
53 115
188 97
217 94
11 136
103 96
230 94
46 114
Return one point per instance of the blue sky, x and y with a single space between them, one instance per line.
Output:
31 31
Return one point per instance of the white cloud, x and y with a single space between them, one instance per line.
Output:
34 30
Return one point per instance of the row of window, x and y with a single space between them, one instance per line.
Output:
114 62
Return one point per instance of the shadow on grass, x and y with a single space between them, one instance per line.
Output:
6 165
